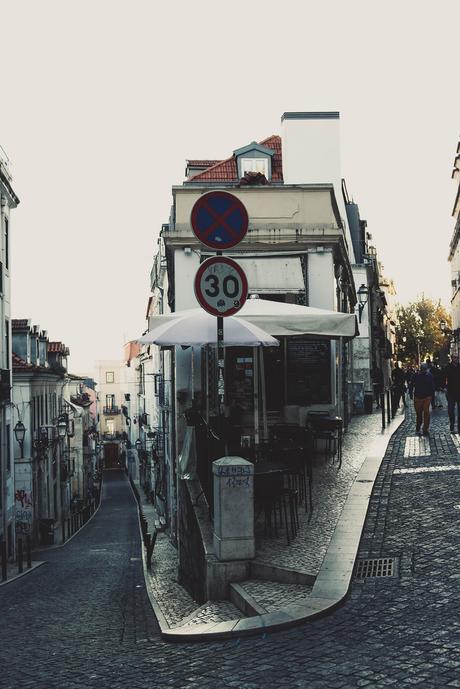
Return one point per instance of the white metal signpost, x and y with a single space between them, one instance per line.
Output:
220 221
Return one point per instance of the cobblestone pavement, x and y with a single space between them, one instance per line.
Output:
304 554
83 619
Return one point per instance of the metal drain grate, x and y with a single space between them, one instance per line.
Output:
379 567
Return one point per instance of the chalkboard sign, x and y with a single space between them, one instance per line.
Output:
308 371
239 379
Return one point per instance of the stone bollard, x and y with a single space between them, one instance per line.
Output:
233 509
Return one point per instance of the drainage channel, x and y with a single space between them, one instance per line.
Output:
381 567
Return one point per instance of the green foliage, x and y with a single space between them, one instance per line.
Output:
418 332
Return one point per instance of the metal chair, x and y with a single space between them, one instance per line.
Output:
288 444
328 429
276 502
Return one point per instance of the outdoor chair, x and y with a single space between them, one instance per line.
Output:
328 429
278 503
288 445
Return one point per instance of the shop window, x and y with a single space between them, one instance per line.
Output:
308 371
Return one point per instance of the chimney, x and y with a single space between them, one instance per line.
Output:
21 341
34 353
43 349
311 148
311 153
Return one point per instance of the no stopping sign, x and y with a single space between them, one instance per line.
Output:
221 286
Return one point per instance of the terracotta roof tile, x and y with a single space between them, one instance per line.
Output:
202 163
226 170
19 363
20 323
56 347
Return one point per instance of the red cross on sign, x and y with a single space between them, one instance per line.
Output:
219 220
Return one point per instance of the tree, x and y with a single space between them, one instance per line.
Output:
418 330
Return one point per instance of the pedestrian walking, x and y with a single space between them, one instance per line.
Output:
377 382
423 392
397 389
410 374
451 377
438 384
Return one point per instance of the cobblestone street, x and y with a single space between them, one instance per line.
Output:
84 620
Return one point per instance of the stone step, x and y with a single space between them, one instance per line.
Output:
212 611
256 596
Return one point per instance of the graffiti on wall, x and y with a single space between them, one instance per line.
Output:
23 501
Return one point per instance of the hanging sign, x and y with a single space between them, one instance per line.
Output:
221 286
219 220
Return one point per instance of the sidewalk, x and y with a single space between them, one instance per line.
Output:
290 582
12 570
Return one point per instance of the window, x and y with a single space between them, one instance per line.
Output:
7 240
109 377
110 401
7 345
254 165
8 449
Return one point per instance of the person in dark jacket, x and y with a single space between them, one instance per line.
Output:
423 392
410 373
451 375
398 387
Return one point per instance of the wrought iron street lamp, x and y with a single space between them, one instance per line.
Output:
363 296
61 428
19 434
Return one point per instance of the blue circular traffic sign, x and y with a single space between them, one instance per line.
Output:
219 220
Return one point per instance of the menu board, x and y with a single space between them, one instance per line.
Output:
308 371
239 380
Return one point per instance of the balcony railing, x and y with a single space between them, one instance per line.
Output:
114 436
111 411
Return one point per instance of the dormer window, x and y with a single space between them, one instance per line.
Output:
254 165
254 158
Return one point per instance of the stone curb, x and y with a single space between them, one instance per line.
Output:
62 545
333 582
35 565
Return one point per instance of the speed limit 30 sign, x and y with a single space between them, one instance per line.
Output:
221 286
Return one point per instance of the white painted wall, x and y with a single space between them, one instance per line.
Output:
311 151
360 278
185 267
455 303
321 281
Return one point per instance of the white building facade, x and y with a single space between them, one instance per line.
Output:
298 249
454 259
8 201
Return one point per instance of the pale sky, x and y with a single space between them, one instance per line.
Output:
102 101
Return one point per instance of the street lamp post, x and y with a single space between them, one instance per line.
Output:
61 427
19 434
363 296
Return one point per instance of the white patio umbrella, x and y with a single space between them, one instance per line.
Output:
278 318
196 327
